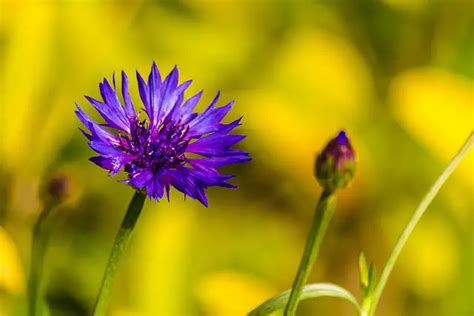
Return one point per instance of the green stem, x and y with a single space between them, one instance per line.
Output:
387 269
120 244
38 248
322 216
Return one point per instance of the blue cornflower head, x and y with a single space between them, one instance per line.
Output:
171 146
335 165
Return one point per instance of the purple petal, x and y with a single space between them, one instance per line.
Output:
96 130
172 104
144 95
209 120
154 188
112 101
214 145
217 162
109 115
185 183
141 178
103 148
154 86
167 88
185 111
113 164
88 136
159 188
103 135
129 108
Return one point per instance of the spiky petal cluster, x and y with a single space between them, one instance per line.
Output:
172 146
335 165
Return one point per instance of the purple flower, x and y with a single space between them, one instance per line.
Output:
172 146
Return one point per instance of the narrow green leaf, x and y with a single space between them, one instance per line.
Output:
370 286
420 210
309 291
367 294
363 273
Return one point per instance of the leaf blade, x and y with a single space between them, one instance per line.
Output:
309 291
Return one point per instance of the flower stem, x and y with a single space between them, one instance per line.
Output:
120 244
322 216
38 248
425 202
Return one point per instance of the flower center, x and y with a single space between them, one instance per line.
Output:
159 148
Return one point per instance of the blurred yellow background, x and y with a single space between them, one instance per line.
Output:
396 74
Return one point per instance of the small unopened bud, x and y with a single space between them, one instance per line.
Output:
335 165
57 189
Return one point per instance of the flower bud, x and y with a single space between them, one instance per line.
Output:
57 189
335 165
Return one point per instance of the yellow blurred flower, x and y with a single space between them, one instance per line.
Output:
230 293
286 134
290 138
319 84
437 108
26 58
430 260
124 312
161 248
324 73
11 273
